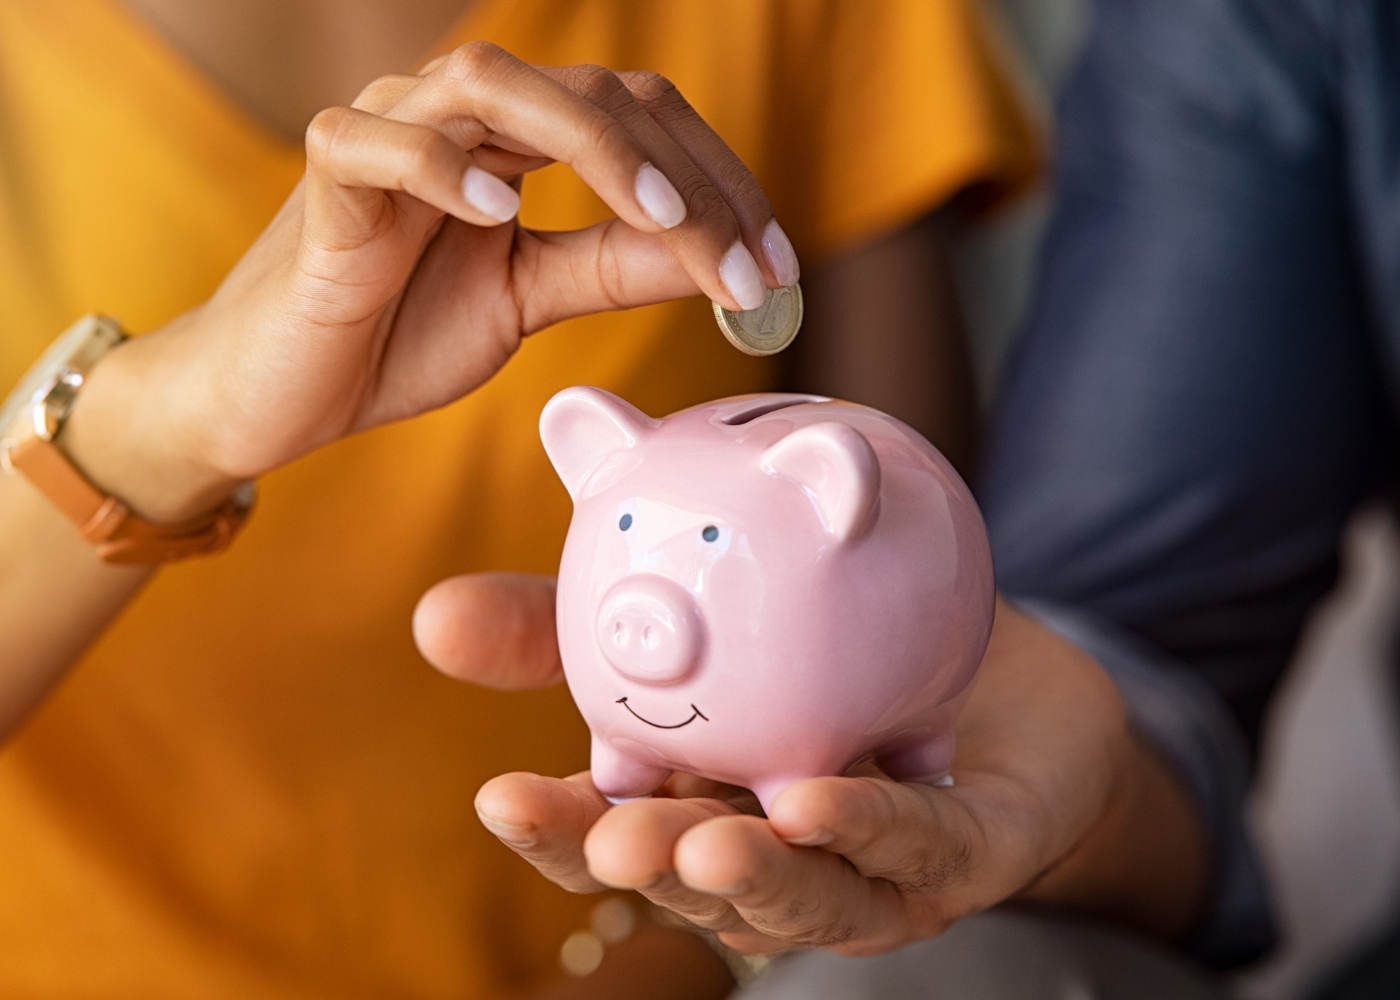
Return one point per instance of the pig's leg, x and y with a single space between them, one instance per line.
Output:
927 761
620 777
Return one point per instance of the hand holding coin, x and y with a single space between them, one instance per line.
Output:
767 329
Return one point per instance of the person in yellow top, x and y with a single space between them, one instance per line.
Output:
246 782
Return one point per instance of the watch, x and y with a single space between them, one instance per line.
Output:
32 418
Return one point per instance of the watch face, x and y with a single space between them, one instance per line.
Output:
79 347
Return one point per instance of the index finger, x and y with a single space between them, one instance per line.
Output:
713 226
482 93
736 184
544 820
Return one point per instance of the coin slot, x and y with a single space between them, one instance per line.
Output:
747 412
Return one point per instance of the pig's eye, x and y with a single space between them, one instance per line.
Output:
710 533
626 522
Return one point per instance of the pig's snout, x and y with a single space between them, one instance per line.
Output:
650 630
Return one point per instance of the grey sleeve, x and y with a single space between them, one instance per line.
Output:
1188 725
1196 406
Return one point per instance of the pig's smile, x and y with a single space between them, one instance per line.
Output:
695 714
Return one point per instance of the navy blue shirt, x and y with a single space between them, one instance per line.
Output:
1205 389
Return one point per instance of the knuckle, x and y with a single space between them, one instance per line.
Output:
594 81
705 205
609 140
742 185
879 798
609 269
423 151
472 61
602 88
390 81
326 132
652 88
380 94
430 66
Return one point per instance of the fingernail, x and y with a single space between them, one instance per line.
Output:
780 255
512 833
659 198
741 276
490 195
618 800
817 838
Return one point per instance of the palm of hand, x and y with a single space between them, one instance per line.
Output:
859 863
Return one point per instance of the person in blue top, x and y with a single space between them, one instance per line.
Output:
1206 388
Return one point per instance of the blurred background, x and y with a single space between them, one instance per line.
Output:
1326 808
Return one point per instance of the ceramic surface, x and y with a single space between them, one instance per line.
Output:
764 589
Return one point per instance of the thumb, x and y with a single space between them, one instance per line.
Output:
494 629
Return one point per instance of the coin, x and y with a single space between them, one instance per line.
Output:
767 329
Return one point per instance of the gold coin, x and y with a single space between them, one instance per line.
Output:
767 329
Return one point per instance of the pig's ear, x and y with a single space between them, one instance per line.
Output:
837 468
582 428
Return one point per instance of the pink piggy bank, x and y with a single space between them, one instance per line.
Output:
764 589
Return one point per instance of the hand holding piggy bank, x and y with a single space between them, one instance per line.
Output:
764 589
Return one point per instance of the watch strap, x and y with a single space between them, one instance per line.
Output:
119 535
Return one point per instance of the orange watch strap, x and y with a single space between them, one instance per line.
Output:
119 535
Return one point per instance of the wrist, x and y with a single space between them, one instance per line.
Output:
128 435
1144 860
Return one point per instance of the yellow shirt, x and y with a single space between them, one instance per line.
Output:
253 786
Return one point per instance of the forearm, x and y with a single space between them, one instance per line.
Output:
56 595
